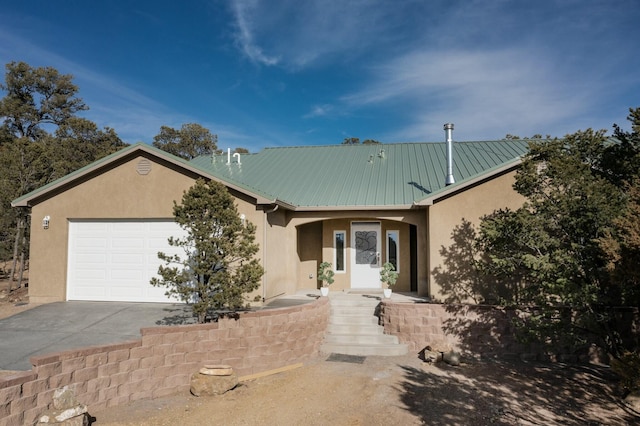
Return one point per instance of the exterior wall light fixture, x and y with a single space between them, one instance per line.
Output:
45 222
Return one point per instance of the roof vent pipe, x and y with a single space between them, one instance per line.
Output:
448 129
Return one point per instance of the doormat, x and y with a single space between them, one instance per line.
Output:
353 359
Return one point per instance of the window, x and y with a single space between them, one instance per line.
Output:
393 249
338 250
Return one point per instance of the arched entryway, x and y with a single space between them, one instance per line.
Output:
357 248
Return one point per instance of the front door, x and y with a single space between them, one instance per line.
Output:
365 255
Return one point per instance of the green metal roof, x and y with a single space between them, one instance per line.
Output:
351 176
392 176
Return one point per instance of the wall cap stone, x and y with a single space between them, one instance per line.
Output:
17 378
39 360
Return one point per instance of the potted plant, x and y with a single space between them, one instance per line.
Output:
388 276
325 274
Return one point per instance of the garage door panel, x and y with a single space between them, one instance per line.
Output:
92 274
89 258
127 242
130 275
115 260
89 292
91 242
135 258
127 227
122 294
92 227
158 242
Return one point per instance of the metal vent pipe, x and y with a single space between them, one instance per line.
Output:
448 130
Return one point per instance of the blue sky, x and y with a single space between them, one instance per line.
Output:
313 72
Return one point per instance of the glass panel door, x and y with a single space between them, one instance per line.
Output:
365 271
366 247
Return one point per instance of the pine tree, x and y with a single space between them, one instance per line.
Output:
218 268
559 248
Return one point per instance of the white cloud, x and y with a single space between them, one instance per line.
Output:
319 111
486 93
296 34
242 10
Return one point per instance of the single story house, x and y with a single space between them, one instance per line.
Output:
95 233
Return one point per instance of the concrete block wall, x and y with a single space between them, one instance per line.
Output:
485 331
162 361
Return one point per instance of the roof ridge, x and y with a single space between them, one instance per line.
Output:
394 144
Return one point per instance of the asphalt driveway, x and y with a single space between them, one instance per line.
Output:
70 325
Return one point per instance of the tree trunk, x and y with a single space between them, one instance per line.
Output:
23 265
20 275
16 247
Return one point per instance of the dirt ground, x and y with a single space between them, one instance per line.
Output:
16 300
398 391
386 391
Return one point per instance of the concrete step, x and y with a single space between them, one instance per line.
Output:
354 301
364 339
353 310
366 292
365 350
354 329
353 319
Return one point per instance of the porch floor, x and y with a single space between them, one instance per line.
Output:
309 295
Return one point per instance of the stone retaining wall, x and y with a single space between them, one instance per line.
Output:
482 331
161 362
445 327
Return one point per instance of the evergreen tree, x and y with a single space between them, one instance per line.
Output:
191 141
38 101
36 97
218 268
551 250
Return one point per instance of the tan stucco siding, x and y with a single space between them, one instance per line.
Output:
309 252
279 243
469 205
118 193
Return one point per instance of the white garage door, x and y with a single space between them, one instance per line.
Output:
115 260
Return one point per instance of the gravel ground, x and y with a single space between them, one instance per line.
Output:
398 391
